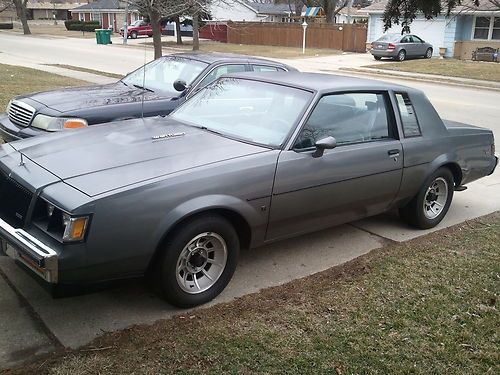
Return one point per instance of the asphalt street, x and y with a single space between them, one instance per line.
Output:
33 323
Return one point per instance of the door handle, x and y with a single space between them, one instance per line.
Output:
393 153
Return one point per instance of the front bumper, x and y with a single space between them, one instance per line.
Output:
11 132
37 256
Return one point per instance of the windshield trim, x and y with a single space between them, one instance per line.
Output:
293 127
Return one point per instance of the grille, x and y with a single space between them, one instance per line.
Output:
14 201
20 113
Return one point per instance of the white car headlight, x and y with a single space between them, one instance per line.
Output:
53 124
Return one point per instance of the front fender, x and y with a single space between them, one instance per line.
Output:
250 211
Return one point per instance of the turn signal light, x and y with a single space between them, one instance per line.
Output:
74 228
74 123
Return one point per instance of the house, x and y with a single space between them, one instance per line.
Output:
352 15
459 34
46 9
109 13
250 11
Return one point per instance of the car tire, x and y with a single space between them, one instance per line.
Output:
428 53
430 205
378 58
133 34
401 56
198 260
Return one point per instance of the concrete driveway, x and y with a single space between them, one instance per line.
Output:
33 323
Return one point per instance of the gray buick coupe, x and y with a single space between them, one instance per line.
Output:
248 160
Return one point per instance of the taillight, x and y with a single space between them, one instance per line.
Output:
391 46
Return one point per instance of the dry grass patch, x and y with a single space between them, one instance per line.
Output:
252 50
16 80
486 71
427 306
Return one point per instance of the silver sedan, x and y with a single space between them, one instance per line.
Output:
400 47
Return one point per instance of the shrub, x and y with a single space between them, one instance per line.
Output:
70 23
83 26
6 25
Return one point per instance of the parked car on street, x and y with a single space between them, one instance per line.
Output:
400 47
162 84
248 160
138 28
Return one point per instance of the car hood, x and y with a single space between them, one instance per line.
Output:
75 98
105 157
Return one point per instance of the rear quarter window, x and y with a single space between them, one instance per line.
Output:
409 120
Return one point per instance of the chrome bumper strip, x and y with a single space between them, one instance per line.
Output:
37 256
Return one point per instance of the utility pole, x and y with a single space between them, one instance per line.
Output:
125 24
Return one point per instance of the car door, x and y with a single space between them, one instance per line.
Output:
408 45
358 178
419 45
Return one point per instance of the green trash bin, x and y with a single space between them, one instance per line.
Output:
106 36
98 36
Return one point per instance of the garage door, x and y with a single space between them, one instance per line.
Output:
432 31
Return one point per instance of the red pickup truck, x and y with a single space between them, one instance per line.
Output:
139 27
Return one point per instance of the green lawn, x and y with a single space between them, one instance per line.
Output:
487 71
427 306
15 80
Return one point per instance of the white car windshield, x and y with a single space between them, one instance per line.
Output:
160 74
254 111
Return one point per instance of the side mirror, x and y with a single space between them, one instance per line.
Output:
327 143
180 85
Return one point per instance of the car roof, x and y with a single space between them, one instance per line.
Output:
322 82
214 57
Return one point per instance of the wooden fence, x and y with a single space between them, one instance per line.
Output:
214 31
345 37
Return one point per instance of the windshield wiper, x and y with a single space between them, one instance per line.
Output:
142 87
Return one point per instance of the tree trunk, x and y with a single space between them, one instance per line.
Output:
196 30
178 30
329 8
22 14
154 17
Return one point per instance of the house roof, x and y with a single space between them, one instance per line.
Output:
378 6
269 8
51 6
105 5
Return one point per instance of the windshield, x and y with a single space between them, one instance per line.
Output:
389 38
259 112
162 73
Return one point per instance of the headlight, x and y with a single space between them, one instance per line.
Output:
59 223
53 124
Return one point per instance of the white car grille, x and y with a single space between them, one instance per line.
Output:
20 113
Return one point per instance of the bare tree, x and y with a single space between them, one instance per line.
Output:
158 9
22 13
6 5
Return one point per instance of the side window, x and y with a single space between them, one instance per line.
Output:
408 116
264 68
416 39
349 118
406 39
219 71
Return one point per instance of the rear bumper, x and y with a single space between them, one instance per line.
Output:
12 132
383 53
37 256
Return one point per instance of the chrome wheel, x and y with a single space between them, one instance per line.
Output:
435 198
402 55
201 262
428 54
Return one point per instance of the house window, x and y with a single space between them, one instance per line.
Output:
486 28
495 35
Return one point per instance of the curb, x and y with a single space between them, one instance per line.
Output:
483 85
